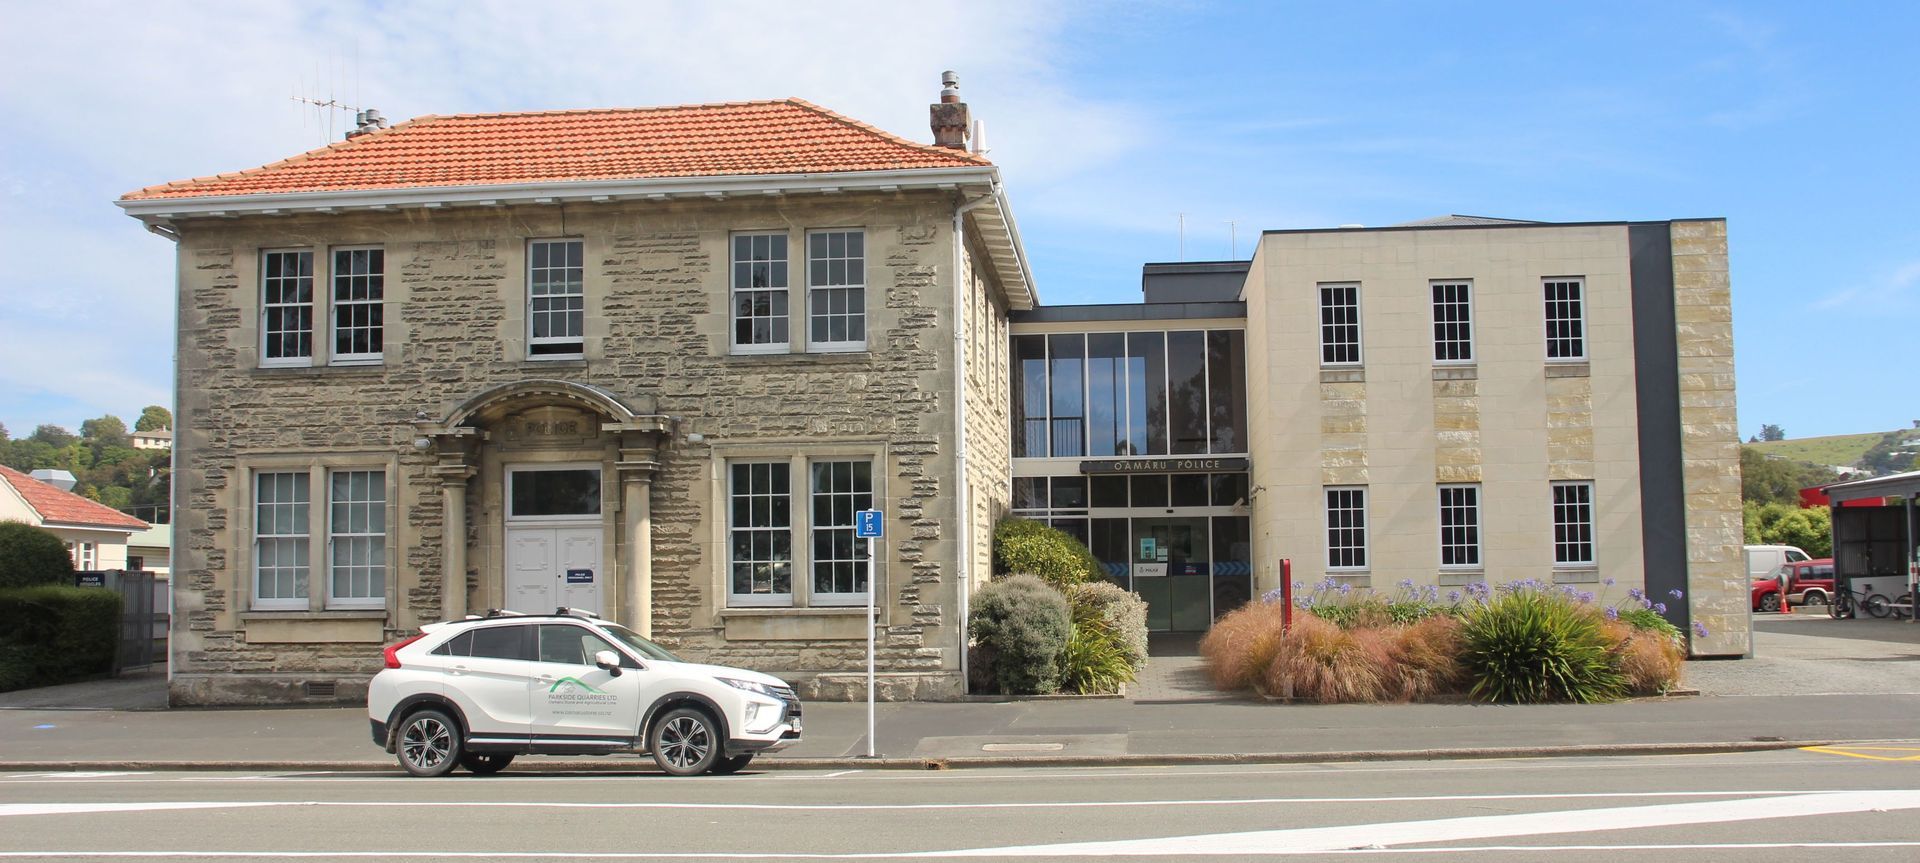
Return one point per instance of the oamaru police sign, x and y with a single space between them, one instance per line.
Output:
1192 464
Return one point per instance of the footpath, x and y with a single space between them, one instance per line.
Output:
1783 699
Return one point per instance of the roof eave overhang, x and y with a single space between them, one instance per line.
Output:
1894 485
78 525
599 191
998 231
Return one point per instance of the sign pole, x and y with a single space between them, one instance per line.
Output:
869 524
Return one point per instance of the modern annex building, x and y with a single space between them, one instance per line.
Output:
650 361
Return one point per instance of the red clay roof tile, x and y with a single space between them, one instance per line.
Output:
789 136
64 507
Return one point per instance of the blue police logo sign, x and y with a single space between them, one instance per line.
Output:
866 524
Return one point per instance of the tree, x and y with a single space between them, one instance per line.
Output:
31 556
1890 455
153 418
3 432
1775 480
53 435
1772 432
1810 530
107 430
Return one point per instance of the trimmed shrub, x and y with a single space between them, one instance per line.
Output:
1024 624
1425 660
56 634
30 556
1027 546
1122 613
1242 643
1530 645
1318 661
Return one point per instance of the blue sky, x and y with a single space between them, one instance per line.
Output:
1796 122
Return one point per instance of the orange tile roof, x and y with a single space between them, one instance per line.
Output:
789 136
64 507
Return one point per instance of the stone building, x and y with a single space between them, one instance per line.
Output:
643 362
1444 403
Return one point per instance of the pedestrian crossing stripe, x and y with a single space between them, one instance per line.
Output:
1869 752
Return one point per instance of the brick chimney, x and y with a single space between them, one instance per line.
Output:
949 116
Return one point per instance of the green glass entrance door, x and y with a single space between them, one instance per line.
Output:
1171 572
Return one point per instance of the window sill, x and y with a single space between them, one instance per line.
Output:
1456 372
1341 375
793 611
1576 575
1569 369
559 362
341 370
807 357
333 614
1461 577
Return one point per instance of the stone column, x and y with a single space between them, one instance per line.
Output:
636 467
453 539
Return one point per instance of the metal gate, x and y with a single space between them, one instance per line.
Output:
136 613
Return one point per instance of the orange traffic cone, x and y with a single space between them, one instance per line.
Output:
1786 606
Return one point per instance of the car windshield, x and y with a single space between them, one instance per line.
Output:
634 640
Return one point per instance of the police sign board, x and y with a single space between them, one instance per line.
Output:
867 524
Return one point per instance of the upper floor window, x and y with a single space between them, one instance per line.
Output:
286 308
760 293
1573 523
1566 318
1339 325
837 290
556 297
359 291
1452 322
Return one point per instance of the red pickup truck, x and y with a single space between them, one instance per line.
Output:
1807 582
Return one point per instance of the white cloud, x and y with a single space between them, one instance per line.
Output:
1894 289
102 98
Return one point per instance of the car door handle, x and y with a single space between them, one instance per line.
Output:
457 670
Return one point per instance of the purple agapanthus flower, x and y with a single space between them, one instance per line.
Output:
1608 582
1676 593
1586 596
1453 596
1660 608
1700 629
1613 613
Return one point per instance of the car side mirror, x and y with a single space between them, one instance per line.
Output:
608 660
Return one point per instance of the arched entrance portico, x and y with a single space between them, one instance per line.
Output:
538 456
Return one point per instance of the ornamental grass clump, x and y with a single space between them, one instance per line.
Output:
1530 643
1318 661
1094 661
1242 643
1649 658
1425 659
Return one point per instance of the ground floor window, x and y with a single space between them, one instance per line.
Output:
1573 523
766 544
1460 526
1347 528
351 522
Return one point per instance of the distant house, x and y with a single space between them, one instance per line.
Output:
95 533
155 439
152 550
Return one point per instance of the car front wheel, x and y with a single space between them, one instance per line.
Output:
1770 602
429 744
685 742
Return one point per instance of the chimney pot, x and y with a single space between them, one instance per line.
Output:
949 117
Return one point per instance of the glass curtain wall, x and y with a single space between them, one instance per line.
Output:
1115 395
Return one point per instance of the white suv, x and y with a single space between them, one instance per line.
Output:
477 692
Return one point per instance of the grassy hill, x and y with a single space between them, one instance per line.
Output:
1843 449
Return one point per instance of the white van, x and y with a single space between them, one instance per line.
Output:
1762 560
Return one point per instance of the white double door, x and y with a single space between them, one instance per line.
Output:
550 566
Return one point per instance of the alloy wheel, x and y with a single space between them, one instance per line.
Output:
427 743
685 741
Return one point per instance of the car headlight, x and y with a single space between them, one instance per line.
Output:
750 686
761 718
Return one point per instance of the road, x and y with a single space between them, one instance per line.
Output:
1855 804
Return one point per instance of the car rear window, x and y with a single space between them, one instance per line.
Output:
1823 571
459 645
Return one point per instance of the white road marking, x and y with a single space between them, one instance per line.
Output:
1309 840
1532 852
1758 798
840 773
89 808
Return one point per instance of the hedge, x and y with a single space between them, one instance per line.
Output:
1032 548
56 634
1022 626
31 556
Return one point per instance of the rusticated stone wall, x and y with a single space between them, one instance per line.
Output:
1709 436
657 329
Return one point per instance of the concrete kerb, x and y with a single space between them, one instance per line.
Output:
628 765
